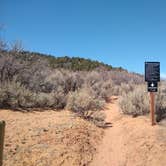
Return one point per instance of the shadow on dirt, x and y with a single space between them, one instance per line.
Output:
107 125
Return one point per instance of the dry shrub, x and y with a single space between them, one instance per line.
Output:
161 102
104 89
55 100
73 81
66 80
53 81
44 100
116 90
123 76
100 84
135 102
92 78
81 101
85 105
10 66
125 88
15 95
98 118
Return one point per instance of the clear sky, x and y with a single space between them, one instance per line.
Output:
118 32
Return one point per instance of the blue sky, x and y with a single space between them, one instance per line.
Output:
118 32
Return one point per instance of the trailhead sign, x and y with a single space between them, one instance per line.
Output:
152 71
152 86
152 75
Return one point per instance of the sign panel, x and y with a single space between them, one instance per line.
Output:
152 71
152 86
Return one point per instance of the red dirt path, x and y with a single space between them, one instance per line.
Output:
131 141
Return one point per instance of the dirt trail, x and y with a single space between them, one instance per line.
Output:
131 141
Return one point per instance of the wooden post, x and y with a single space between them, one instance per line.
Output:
152 108
2 134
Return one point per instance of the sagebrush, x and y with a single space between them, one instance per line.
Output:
136 102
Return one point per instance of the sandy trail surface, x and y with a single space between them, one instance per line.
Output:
131 141
48 138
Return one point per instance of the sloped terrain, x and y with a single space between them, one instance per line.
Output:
59 138
48 138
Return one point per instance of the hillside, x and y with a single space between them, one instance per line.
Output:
30 80
69 63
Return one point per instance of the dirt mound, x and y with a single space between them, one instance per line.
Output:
131 141
48 138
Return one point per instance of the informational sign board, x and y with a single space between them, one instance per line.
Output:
152 86
152 71
152 77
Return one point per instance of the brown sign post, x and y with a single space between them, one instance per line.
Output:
152 77
2 134
152 107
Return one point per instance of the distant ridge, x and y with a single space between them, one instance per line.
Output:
66 62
